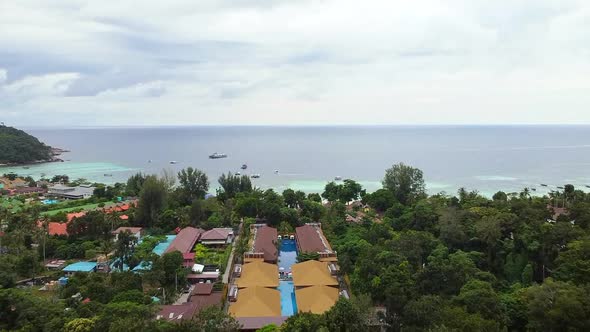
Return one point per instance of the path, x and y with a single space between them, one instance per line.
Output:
228 267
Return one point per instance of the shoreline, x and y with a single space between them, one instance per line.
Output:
55 152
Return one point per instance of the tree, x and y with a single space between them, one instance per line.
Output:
314 197
80 325
350 190
232 184
573 264
124 247
193 184
135 183
344 316
331 192
405 182
304 322
152 200
380 200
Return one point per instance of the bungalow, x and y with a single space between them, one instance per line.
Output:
217 237
80 267
311 239
264 246
135 231
185 240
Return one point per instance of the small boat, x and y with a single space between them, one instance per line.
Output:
337 178
543 185
559 187
238 173
108 174
217 155
173 162
255 176
587 186
534 189
244 166
276 171
149 161
26 167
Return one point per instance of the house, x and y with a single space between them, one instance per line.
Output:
316 290
264 247
28 191
57 229
312 273
135 231
185 240
316 299
62 191
188 259
217 237
201 297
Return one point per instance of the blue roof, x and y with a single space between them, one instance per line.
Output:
162 246
80 267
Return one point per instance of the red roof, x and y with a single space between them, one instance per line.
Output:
185 240
265 242
72 216
255 323
124 217
57 228
188 310
308 239
202 289
86 300
188 255
217 234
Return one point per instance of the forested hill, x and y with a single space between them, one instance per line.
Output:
18 147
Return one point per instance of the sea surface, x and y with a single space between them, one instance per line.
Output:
484 158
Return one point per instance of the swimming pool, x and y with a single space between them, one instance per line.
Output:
287 254
49 201
162 246
288 301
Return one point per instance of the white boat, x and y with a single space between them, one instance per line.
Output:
276 171
337 178
238 173
174 162
217 155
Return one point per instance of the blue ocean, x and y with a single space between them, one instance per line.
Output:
483 158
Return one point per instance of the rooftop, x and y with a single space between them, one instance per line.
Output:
80 267
57 228
265 242
310 238
316 299
185 240
217 234
312 273
257 302
259 274
255 323
131 230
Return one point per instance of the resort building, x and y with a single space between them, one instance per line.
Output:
217 237
80 267
263 244
258 274
316 299
311 239
135 231
257 302
7 184
62 191
57 228
202 296
312 273
185 240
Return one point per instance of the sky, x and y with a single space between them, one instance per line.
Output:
294 62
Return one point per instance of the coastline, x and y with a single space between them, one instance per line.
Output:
55 153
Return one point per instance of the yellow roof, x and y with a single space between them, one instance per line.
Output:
312 273
316 299
257 302
259 274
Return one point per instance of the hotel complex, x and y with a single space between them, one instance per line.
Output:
270 285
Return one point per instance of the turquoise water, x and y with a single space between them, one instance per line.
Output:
287 257
49 201
288 302
161 247
287 254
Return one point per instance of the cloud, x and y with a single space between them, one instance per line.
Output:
67 62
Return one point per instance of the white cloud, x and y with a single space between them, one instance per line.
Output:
286 62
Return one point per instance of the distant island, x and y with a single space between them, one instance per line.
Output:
18 148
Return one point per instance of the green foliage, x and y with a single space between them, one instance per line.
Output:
16 146
193 184
405 182
307 256
232 184
152 201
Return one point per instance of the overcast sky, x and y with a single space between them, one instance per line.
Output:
294 62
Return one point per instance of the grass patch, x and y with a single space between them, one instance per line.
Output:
84 207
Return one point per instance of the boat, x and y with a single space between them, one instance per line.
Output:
149 161
587 186
238 173
244 166
534 189
174 162
108 174
26 167
337 178
217 155
255 176
543 185
276 171
559 187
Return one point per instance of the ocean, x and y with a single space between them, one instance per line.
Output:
483 158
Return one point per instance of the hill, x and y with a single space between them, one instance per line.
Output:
18 147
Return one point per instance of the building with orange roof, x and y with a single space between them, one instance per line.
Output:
312 273
57 228
259 274
316 299
257 302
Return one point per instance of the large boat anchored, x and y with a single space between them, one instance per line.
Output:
217 155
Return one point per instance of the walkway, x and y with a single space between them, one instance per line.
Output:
229 264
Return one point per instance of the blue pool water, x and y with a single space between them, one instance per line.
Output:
288 302
161 247
287 254
49 201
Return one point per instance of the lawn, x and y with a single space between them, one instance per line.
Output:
85 207
13 204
